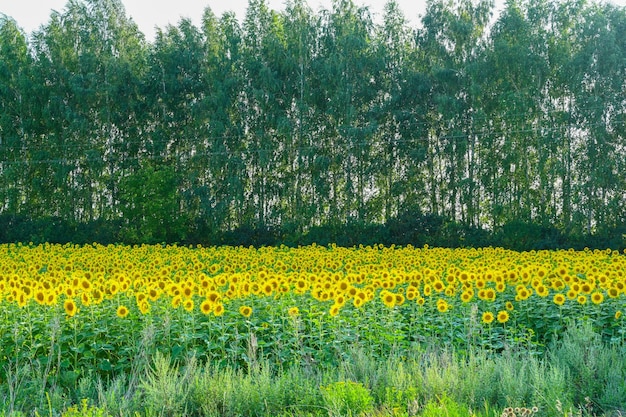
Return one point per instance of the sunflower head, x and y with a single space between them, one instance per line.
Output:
245 311
597 297
122 311
558 299
487 317
503 316
70 307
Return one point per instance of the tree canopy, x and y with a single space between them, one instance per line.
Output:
296 126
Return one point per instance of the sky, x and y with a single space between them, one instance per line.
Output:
148 14
30 14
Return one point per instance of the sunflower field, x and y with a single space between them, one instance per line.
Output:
94 309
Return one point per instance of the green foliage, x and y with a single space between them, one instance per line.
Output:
300 126
445 406
84 410
593 371
430 382
346 398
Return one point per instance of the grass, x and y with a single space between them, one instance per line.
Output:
579 375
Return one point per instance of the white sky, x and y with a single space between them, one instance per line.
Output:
31 14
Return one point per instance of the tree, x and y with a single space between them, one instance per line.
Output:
16 123
452 37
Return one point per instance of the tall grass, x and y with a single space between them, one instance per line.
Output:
579 375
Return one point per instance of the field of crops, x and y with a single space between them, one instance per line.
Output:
78 310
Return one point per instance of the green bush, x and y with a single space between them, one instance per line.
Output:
346 398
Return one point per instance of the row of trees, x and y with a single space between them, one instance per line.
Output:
298 119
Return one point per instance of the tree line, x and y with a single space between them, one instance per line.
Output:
470 128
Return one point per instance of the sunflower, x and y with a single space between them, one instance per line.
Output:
618 314
427 290
187 292
176 301
51 299
122 311
358 301
509 306
85 299
503 316
153 294
218 309
597 297
267 289
559 299
70 307
487 317
343 285
582 299
442 306
206 307
96 296
389 299
245 311
188 305
466 296
542 290
340 300
40 297
85 285
213 296
399 299
334 310
293 312
144 307
22 300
